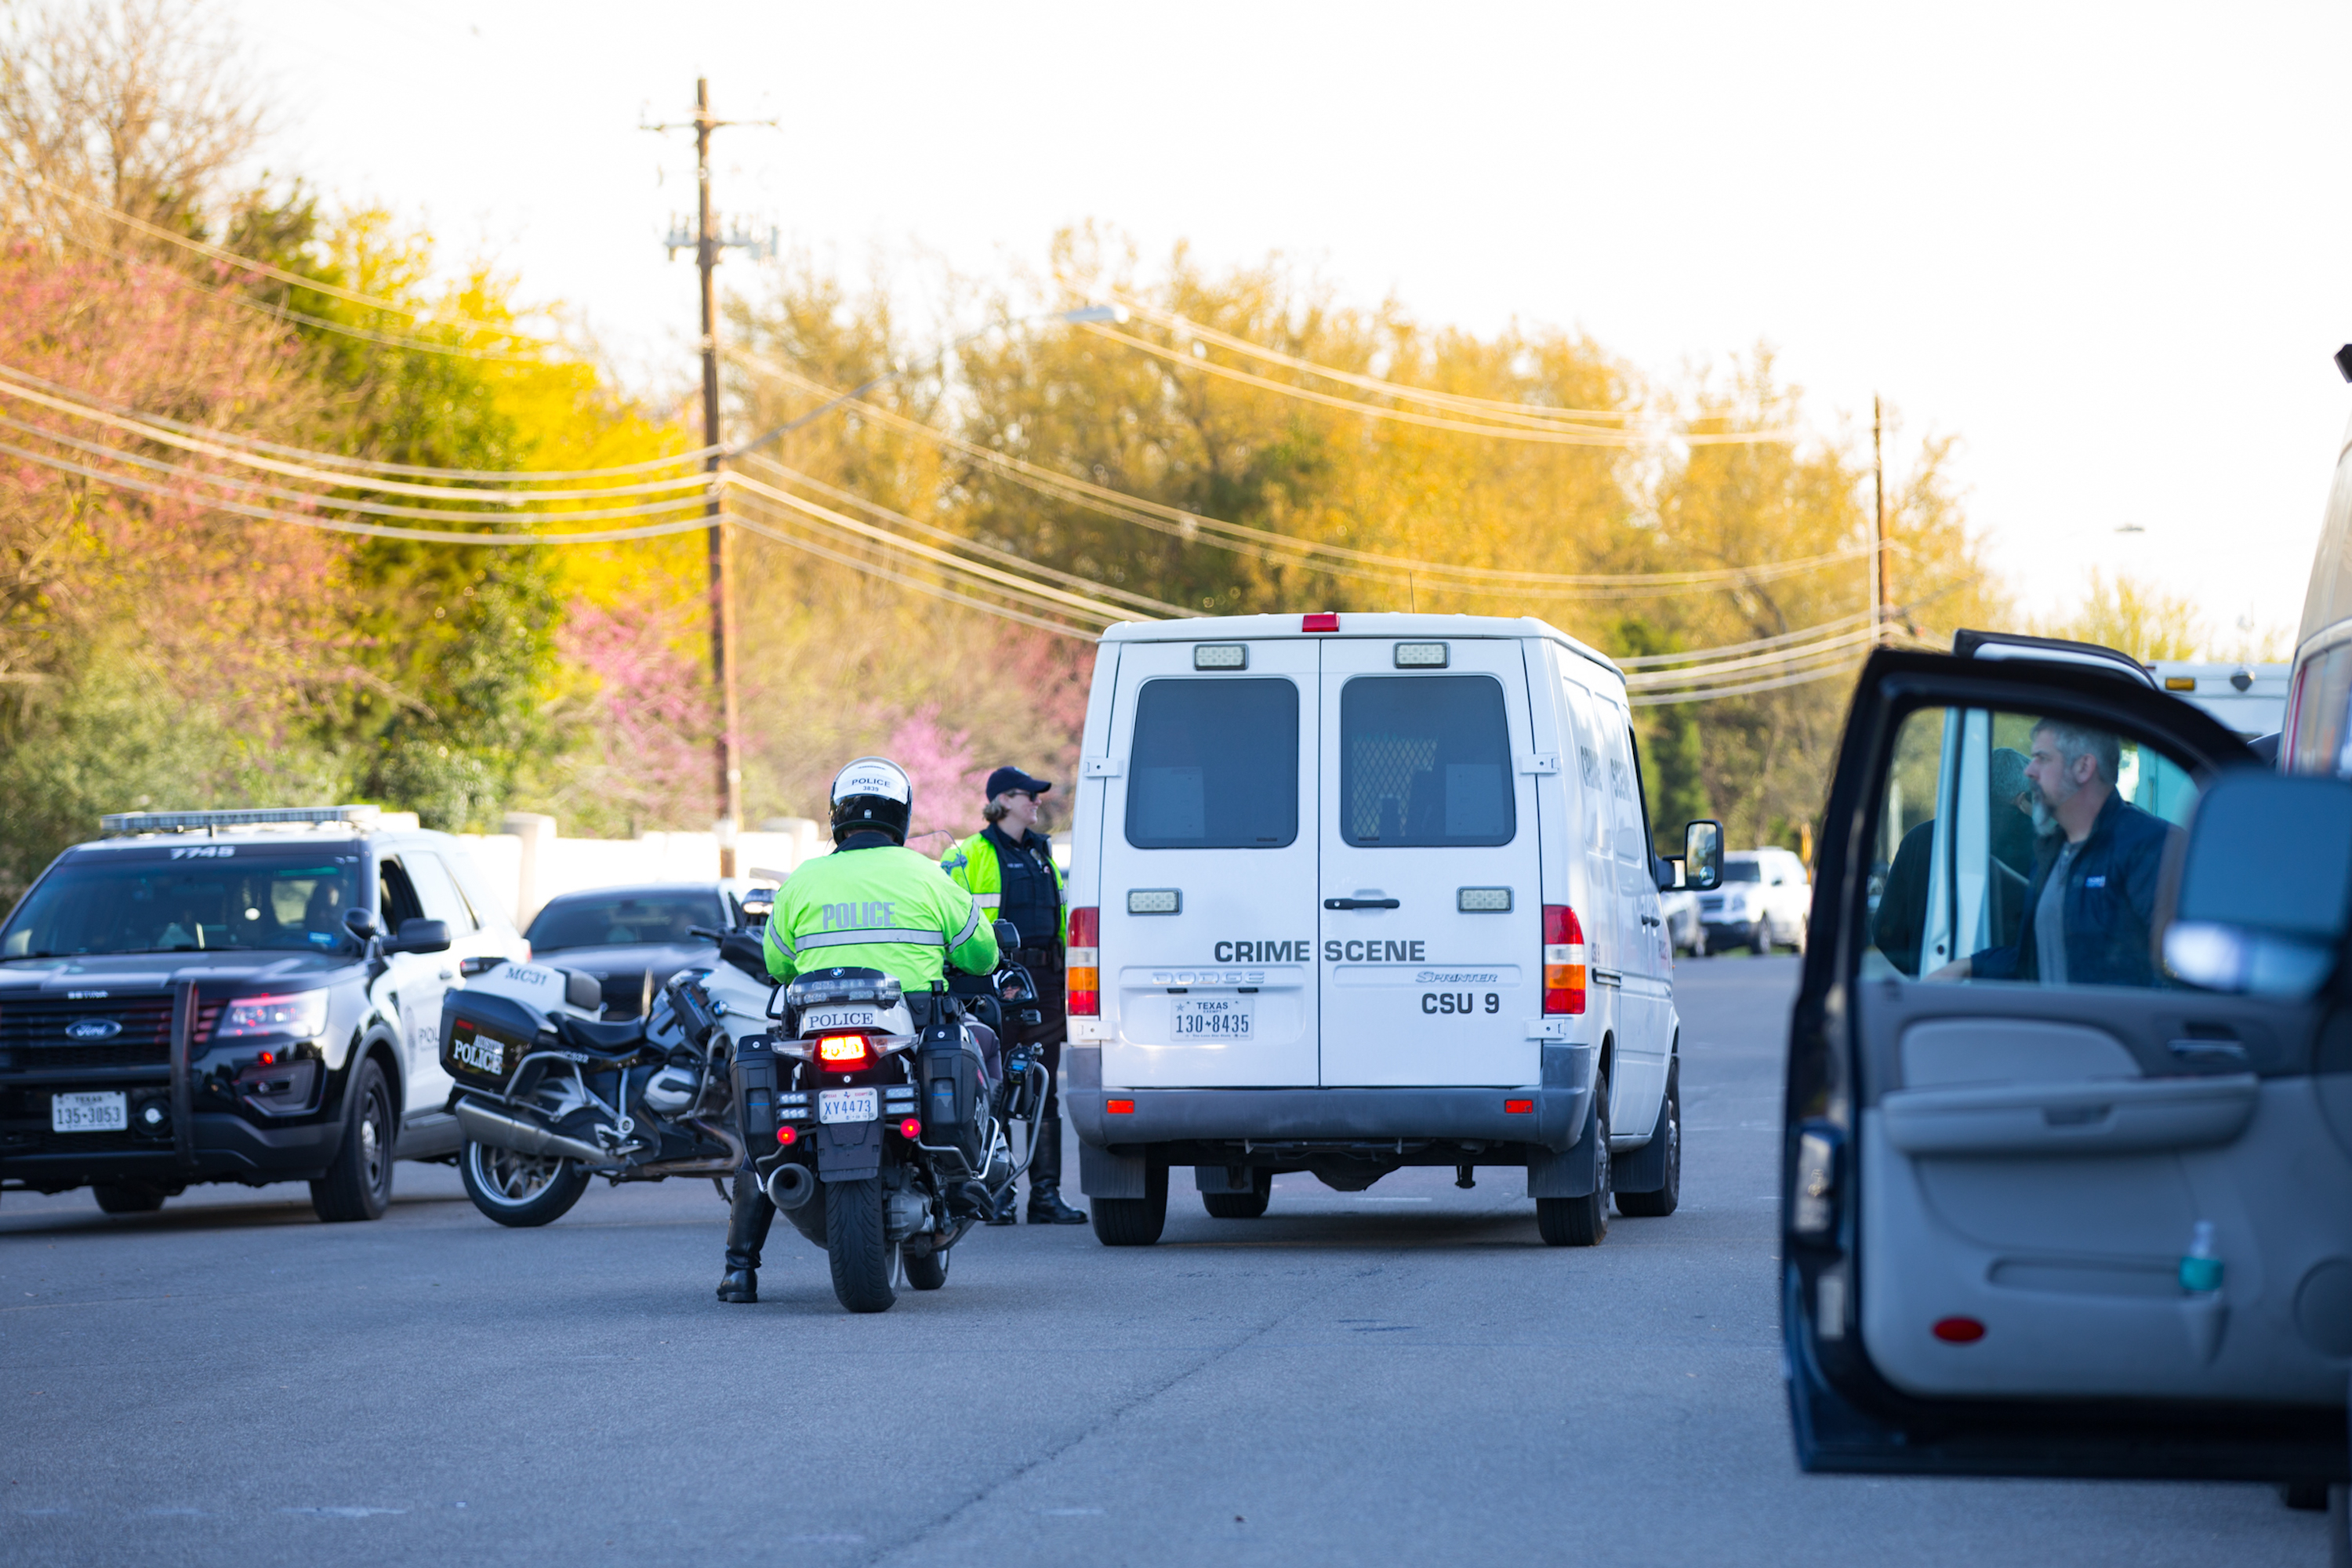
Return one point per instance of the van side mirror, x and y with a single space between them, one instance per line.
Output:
2257 896
1702 858
420 936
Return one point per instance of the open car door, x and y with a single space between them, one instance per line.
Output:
2049 1210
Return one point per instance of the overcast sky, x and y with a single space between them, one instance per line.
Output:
2106 247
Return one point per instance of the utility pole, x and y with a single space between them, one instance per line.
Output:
707 244
1878 595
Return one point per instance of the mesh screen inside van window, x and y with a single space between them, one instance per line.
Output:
1424 762
1215 765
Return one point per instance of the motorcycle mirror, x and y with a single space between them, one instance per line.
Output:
363 924
1008 935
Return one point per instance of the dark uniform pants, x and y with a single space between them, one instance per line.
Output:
1052 1007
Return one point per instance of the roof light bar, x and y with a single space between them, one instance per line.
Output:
360 817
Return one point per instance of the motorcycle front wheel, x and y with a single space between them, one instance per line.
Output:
855 1247
520 1189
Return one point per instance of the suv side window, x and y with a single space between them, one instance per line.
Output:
396 896
437 893
2021 848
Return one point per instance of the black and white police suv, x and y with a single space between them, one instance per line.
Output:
238 996
1355 892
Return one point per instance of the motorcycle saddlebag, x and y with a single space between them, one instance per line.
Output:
947 1068
485 1036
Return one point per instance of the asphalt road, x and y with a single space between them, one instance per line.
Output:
1404 1374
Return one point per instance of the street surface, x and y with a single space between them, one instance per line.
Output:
1400 1376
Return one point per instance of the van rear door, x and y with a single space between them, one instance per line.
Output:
1208 867
1432 899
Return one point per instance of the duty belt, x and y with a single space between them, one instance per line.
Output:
1038 957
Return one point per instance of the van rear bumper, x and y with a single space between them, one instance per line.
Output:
1190 1115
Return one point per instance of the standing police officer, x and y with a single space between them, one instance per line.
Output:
872 903
1008 867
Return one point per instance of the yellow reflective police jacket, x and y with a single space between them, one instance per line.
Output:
884 908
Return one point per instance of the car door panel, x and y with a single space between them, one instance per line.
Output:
2015 1171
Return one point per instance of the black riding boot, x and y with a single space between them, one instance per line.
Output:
1045 1204
747 1233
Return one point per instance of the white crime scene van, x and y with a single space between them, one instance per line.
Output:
1355 892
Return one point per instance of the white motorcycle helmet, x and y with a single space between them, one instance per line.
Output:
872 794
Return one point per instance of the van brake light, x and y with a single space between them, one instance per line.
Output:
1563 962
1082 967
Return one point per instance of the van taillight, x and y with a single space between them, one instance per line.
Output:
1563 960
1081 965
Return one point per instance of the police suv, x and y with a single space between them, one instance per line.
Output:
1355 892
237 996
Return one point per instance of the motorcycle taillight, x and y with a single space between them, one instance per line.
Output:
1081 965
843 1053
1563 960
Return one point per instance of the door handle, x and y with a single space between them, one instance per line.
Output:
2224 1053
1361 903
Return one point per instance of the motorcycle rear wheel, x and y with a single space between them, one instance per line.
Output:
856 1247
520 1189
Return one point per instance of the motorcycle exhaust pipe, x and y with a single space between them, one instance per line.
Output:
790 1185
484 1125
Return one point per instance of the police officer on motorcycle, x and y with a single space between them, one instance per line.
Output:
1008 867
872 903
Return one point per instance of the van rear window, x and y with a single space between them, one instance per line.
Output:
1424 762
1215 765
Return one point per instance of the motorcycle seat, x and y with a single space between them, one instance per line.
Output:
622 1039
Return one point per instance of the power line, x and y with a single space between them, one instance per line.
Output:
1570 437
316 284
1282 549
84 402
340 525
960 542
512 499
935 590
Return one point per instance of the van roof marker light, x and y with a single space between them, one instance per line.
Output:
1323 621
1420 656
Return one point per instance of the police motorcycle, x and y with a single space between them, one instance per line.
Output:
549 1096
879 1122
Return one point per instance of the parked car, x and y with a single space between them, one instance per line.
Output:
238 996
633 939
1766 900
1351 892
1684 929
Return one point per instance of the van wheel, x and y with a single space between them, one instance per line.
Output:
1658 1204
1241 1205
1582 1222
1132 1222
358 1185
128 1197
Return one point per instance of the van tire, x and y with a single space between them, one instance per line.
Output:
1658 1204
1132 1222
1582 1222
1250 1204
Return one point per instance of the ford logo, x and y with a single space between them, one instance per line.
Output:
92 1029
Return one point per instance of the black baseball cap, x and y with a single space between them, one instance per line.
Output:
1009 777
